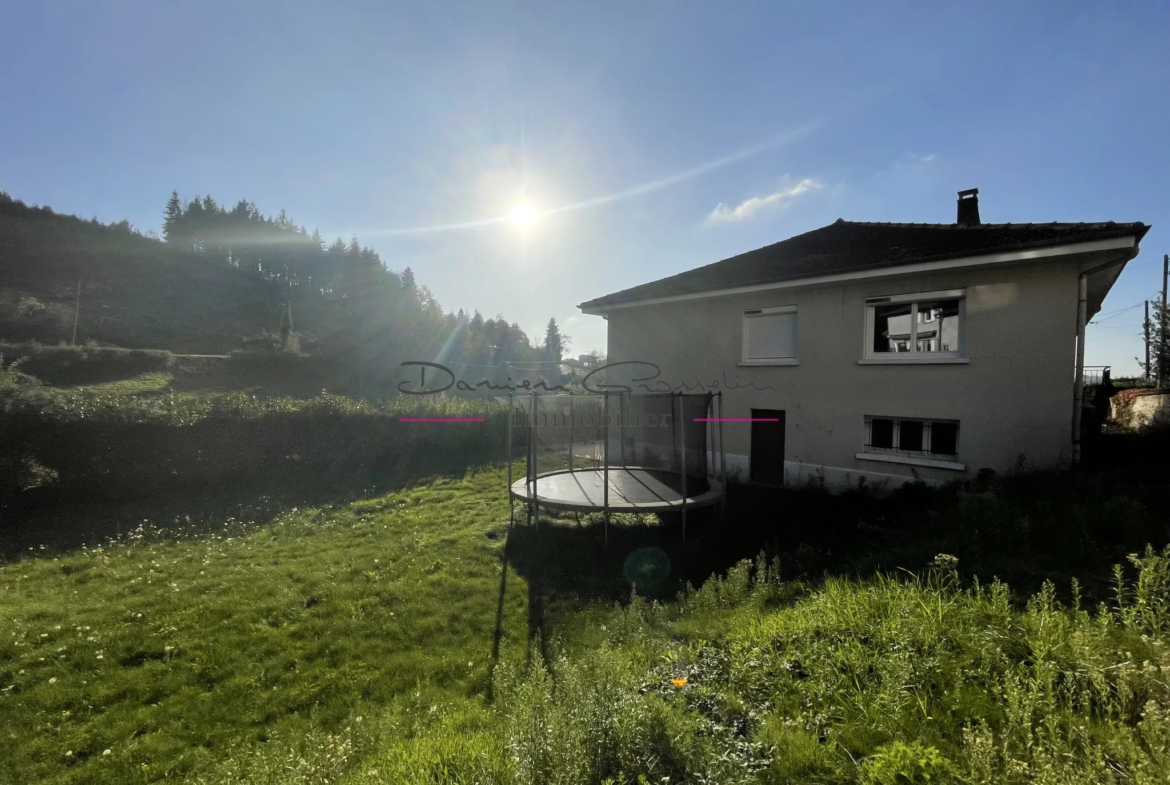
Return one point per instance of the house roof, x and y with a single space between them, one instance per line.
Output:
846 247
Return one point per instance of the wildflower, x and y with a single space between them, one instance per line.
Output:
682 682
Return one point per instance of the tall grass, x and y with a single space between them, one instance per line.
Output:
898 680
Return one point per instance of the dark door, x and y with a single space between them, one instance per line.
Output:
767 459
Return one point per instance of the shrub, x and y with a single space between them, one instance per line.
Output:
908 764
76 365
104 445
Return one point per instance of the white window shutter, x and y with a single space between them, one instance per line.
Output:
771 336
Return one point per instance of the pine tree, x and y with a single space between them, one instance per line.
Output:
555 344
408 279
173 219
1159 367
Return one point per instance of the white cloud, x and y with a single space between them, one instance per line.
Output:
749 207
911 162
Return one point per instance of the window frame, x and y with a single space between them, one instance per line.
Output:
744 331
913 356
923 457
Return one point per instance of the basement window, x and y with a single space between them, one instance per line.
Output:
937 439
912 328
769 336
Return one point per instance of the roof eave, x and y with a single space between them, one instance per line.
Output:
598 307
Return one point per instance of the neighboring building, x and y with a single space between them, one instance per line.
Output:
886 351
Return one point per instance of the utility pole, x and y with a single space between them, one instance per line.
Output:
77 311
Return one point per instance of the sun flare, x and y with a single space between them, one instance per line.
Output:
524 216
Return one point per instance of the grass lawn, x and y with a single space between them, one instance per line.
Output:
145 383
355 644
146 660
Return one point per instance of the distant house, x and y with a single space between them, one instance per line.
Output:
886 351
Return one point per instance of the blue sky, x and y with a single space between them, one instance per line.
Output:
683 132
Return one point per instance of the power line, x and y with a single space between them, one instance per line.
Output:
1123 310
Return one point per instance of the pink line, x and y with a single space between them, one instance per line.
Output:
738 419
440 419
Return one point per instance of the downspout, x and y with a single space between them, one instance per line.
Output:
1079 378
1082 321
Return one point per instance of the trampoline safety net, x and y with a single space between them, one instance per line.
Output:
615 450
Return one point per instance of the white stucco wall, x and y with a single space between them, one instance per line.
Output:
1013 397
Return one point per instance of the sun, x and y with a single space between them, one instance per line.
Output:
524 215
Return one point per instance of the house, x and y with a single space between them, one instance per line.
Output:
885 352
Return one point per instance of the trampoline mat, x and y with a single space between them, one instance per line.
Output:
630 489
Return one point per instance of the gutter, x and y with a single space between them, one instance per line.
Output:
1079 373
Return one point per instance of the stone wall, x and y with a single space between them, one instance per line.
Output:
1140 408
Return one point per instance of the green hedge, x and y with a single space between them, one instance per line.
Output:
79 445
70 365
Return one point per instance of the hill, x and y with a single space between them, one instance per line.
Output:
226 280
135 290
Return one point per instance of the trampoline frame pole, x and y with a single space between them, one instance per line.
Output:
605 470
570 432
535 468
722 464
511 498
682 448
622 427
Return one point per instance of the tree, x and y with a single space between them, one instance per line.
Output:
555 344
1159 367
173 218
287 337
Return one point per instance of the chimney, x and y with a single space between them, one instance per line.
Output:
968 207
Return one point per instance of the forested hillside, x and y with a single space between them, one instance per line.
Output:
227 279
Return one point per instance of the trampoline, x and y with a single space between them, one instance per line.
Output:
617 452
631 489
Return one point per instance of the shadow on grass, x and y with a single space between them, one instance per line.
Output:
1024 529
55 522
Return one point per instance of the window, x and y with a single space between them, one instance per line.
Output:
938 439
914 328
769 336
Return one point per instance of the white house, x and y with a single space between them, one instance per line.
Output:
886 351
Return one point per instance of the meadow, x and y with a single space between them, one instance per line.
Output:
380 641
216 587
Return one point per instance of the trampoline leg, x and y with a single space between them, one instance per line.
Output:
605 526
577 515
